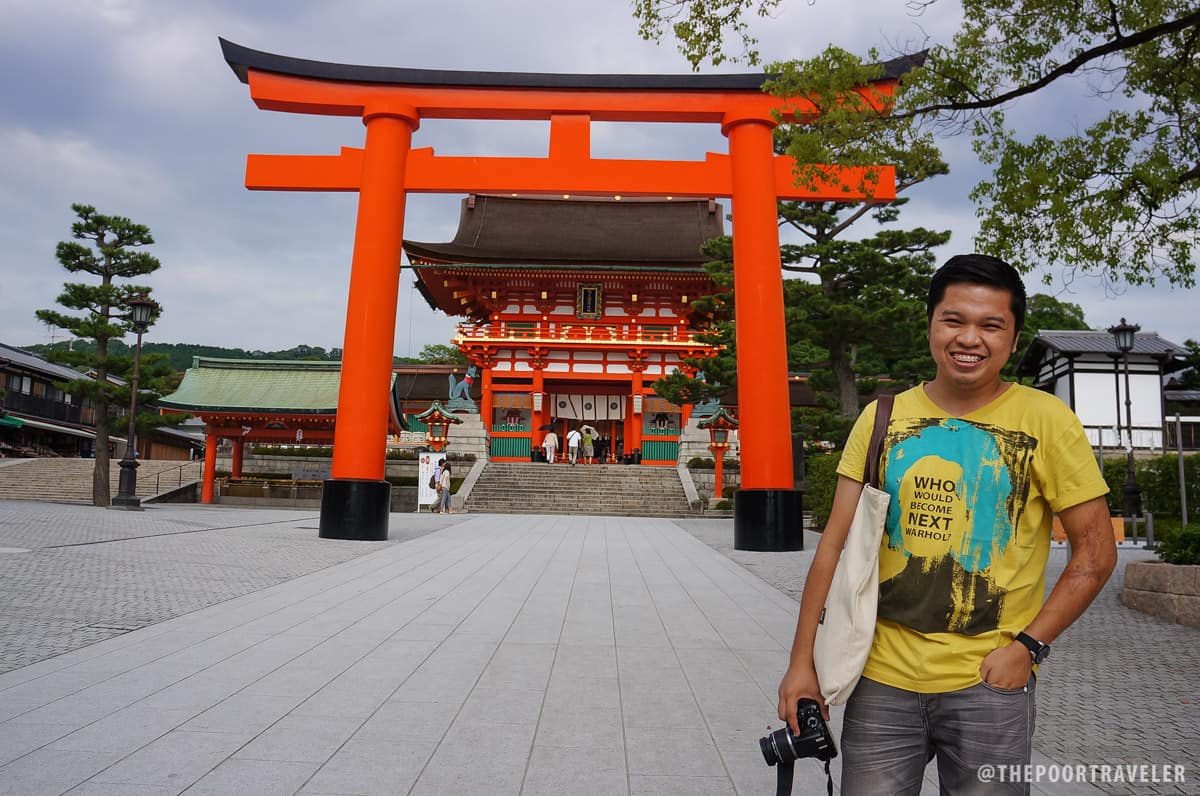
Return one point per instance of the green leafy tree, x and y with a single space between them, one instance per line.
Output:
180 355
720 371
857 313
434 354
1045 312
857 310
111 254
680 388
1117 198
1189 379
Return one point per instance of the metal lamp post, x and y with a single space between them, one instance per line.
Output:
1124 335
140 310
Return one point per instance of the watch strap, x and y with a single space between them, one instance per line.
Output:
1037 650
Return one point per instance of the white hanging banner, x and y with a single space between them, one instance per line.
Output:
587 407
426 465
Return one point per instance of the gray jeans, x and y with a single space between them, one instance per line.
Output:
889 735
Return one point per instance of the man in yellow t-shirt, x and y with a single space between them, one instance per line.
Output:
976 468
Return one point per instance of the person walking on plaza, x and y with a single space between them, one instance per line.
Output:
444 490
550 446
976 468
573 440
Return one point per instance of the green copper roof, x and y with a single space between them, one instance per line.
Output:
434 411
244 385
720 418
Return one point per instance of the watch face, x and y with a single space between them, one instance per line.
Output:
1037 650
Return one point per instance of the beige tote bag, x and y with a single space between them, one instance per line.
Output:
847 625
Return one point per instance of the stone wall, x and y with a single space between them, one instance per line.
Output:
705 479
1170 592
307 468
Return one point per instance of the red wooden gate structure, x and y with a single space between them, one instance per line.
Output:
392 102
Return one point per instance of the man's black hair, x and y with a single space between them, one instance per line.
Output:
978 269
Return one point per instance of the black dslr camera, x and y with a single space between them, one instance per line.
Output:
782 747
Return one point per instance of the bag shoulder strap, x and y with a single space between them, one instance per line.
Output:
883 415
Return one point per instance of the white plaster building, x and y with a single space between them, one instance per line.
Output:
1087 371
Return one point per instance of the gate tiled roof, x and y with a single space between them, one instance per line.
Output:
577 232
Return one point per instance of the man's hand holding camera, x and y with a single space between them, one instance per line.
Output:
782 747
799 682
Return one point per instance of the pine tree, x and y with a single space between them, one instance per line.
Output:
857 310
111 254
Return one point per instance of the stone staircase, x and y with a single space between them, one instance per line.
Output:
70 480
611 489
469 437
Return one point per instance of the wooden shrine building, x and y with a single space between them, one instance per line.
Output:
260 401
572 309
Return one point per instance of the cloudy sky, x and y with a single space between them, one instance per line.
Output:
127 105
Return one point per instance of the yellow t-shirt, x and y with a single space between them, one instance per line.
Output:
962 565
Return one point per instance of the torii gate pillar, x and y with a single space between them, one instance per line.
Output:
356 500
767 510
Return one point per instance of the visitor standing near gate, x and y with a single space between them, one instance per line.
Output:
550 446
444 490
573 440
435 483
976 469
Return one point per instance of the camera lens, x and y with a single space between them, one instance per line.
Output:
778 747
814 740
768 749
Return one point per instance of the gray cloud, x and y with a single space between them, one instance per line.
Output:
128 105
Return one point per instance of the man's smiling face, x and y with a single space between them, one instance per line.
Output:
972 333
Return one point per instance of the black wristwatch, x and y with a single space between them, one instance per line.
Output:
1037 650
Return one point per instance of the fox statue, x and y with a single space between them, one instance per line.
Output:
462 389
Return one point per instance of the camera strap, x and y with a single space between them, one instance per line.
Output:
783 779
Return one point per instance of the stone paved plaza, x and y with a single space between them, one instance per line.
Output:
208 650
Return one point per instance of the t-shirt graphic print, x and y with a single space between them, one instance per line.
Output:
959 487
963 559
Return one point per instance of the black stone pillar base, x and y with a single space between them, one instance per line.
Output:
768 520
355 509
126 497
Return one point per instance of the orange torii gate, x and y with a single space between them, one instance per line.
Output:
393 101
